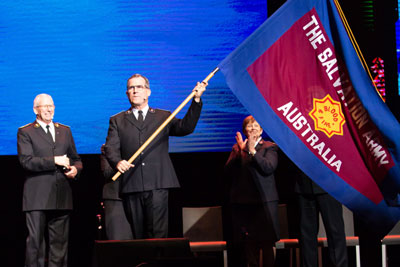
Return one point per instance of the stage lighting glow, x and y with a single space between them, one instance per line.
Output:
82 53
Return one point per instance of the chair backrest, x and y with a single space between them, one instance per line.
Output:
395 230
202 224
283 221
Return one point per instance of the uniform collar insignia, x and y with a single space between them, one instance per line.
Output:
37 125
56 125
152 110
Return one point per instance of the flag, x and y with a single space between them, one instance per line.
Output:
300 77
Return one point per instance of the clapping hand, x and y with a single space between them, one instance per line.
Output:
239 139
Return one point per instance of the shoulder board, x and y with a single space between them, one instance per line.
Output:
271 143
160 110
58 125
26 125
126 111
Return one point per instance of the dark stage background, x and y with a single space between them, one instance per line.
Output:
202 184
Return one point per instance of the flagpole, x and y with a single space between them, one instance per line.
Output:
165 123
355 45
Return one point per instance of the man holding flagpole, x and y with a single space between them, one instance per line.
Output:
145 183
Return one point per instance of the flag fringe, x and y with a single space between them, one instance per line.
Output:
355 45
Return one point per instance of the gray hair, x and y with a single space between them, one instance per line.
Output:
38 97
147 83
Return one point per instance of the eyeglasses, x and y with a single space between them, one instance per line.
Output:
137 87
45 106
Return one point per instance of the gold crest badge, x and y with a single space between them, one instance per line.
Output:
328 116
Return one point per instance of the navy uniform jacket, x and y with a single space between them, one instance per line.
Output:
153 168
252 177
46 187
304 185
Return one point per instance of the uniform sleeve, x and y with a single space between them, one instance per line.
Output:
26 156
112 147
73 155
185 126
106 169
267 160
234 158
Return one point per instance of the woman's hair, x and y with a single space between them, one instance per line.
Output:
247 120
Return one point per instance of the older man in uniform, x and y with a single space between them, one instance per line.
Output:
46 150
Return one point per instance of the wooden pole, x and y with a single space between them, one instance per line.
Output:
165 123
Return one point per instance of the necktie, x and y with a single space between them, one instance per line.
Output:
49 133
140 117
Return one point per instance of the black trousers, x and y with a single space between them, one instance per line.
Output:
56 223
331 212
117 225
147 213
370 244
255 228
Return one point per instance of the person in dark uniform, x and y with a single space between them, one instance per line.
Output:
253 197
46 150
313 200
145 183
116 223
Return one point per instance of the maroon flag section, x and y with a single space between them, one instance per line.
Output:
306 84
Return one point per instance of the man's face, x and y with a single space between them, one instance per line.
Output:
253 128
44 109
137 92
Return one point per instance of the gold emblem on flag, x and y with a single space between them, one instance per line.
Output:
328 116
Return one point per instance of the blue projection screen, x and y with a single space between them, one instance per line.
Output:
82 53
